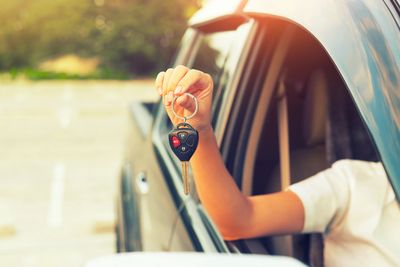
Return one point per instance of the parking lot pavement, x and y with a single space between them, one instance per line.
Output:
61 145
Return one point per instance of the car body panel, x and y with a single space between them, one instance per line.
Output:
153 202
185 206
191 259
362 39
128 234
168 220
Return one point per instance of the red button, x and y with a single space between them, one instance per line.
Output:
175 141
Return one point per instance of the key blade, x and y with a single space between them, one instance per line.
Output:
185 176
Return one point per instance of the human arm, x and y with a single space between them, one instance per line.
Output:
237 216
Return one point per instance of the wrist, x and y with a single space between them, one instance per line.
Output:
205 130
206 136
207 144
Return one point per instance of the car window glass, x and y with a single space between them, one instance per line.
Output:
212 53
210 58
230 67
182 51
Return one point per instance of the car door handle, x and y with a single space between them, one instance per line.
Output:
141 182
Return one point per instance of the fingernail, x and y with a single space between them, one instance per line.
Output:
170 96
178 90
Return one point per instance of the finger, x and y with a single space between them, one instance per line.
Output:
186 102
167 97
193 81
167 75
168 109
159 81
178 73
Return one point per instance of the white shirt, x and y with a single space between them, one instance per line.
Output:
353 204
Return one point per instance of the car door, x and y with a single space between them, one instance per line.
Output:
179 222
153 204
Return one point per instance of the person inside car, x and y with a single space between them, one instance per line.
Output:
352 203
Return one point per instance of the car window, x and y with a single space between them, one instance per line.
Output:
232 66
212 53
322 121
211 58
183 50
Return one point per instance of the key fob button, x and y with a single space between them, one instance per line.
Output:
175 141
190 140
182 136
183 140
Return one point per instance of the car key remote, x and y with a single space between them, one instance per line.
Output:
183 140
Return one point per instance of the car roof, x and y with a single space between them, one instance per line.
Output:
362 38
216 10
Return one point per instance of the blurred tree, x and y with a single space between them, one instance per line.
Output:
133 36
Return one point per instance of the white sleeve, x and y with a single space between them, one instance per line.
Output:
324 197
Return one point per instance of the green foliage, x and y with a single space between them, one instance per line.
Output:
33 74
129 36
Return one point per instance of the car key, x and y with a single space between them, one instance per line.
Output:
183 140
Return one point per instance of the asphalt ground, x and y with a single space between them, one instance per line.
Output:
61 146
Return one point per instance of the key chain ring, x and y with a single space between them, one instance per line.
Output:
184 118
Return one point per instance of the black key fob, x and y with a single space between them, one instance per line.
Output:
183 140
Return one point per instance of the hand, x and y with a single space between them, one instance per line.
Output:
176 82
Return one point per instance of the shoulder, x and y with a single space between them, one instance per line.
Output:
357 171
328 195
352 164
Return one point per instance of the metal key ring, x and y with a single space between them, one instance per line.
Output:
184 118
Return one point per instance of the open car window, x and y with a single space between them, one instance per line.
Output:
320 111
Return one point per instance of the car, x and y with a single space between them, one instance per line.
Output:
298 86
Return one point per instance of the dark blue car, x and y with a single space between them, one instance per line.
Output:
298 86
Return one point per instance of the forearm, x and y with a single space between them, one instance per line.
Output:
238 216
222 199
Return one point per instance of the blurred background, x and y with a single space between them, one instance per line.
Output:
68 70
